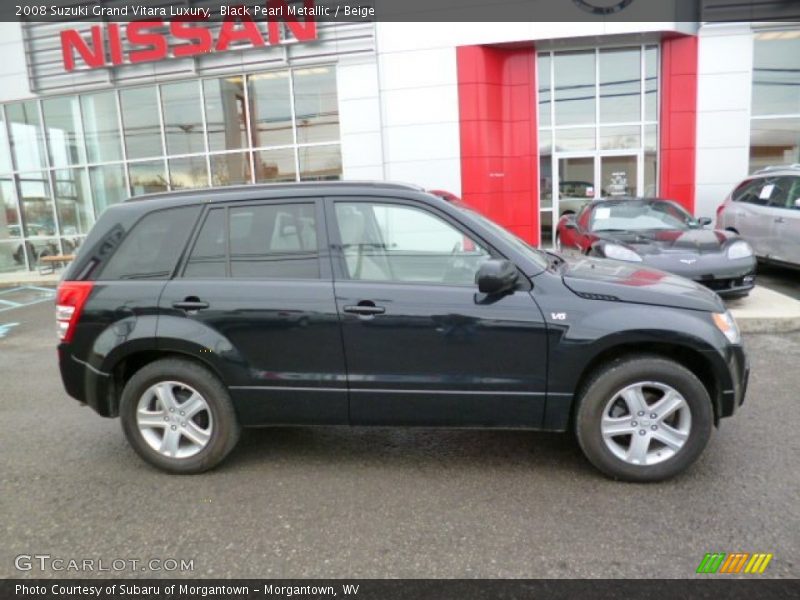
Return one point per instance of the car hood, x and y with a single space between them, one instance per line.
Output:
693 241
626 282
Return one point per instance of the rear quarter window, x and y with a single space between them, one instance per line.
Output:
151 249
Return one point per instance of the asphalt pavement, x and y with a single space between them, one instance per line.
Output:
311 502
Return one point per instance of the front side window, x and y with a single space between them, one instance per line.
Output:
391 242
270 241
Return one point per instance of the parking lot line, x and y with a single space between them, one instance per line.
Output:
49 294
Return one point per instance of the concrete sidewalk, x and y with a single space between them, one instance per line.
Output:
763 311
766 311
22 278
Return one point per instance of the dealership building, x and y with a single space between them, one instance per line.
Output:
522 120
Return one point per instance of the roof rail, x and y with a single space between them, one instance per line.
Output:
793 167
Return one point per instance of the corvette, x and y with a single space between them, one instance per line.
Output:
661 234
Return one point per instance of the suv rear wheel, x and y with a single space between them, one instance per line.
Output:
643 419
178 416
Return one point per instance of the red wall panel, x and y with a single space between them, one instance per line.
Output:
499 149
678 120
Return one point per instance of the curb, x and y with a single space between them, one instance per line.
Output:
768 324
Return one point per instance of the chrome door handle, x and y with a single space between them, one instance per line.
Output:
780 220
190 303
365 311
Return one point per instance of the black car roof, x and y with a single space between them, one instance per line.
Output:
270 190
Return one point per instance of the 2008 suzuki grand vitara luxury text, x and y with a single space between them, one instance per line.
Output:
192 314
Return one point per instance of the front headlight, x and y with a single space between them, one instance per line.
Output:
618 252
740 249
727 325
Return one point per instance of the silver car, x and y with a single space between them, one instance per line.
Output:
765 210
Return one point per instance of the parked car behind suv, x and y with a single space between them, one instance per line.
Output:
190 315
765 210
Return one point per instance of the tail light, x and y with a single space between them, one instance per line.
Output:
720 208
70 299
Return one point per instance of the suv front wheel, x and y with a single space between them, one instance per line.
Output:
178 416
643 419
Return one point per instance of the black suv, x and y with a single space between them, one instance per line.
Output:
192 314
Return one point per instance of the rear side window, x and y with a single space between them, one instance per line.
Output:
268 241
767 191
152 248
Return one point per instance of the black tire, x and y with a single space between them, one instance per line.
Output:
224 433
608 381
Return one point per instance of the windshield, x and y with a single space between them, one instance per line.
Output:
536 255
639 216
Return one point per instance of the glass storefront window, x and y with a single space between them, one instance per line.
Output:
320 163
275 165
101 127
12 257
9 218
316 105
776 73
183 119
230 169
621 137
775 127
73 201
147 177
574 74
543 75
37 208
604 131
650 175
62 122
618 175
108 186
574 139
5 152
141 123
774 142
270 109
188 172
225 113
651 83
620 85
64 159
651 138
27 141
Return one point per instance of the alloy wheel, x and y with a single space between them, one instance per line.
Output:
646 423
174 419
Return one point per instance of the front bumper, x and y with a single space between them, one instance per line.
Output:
715 271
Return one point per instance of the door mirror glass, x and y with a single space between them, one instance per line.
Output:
496 277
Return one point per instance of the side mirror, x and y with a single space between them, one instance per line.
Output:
570 223
797 203
704 221
496 277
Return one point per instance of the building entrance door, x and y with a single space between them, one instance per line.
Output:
580 178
